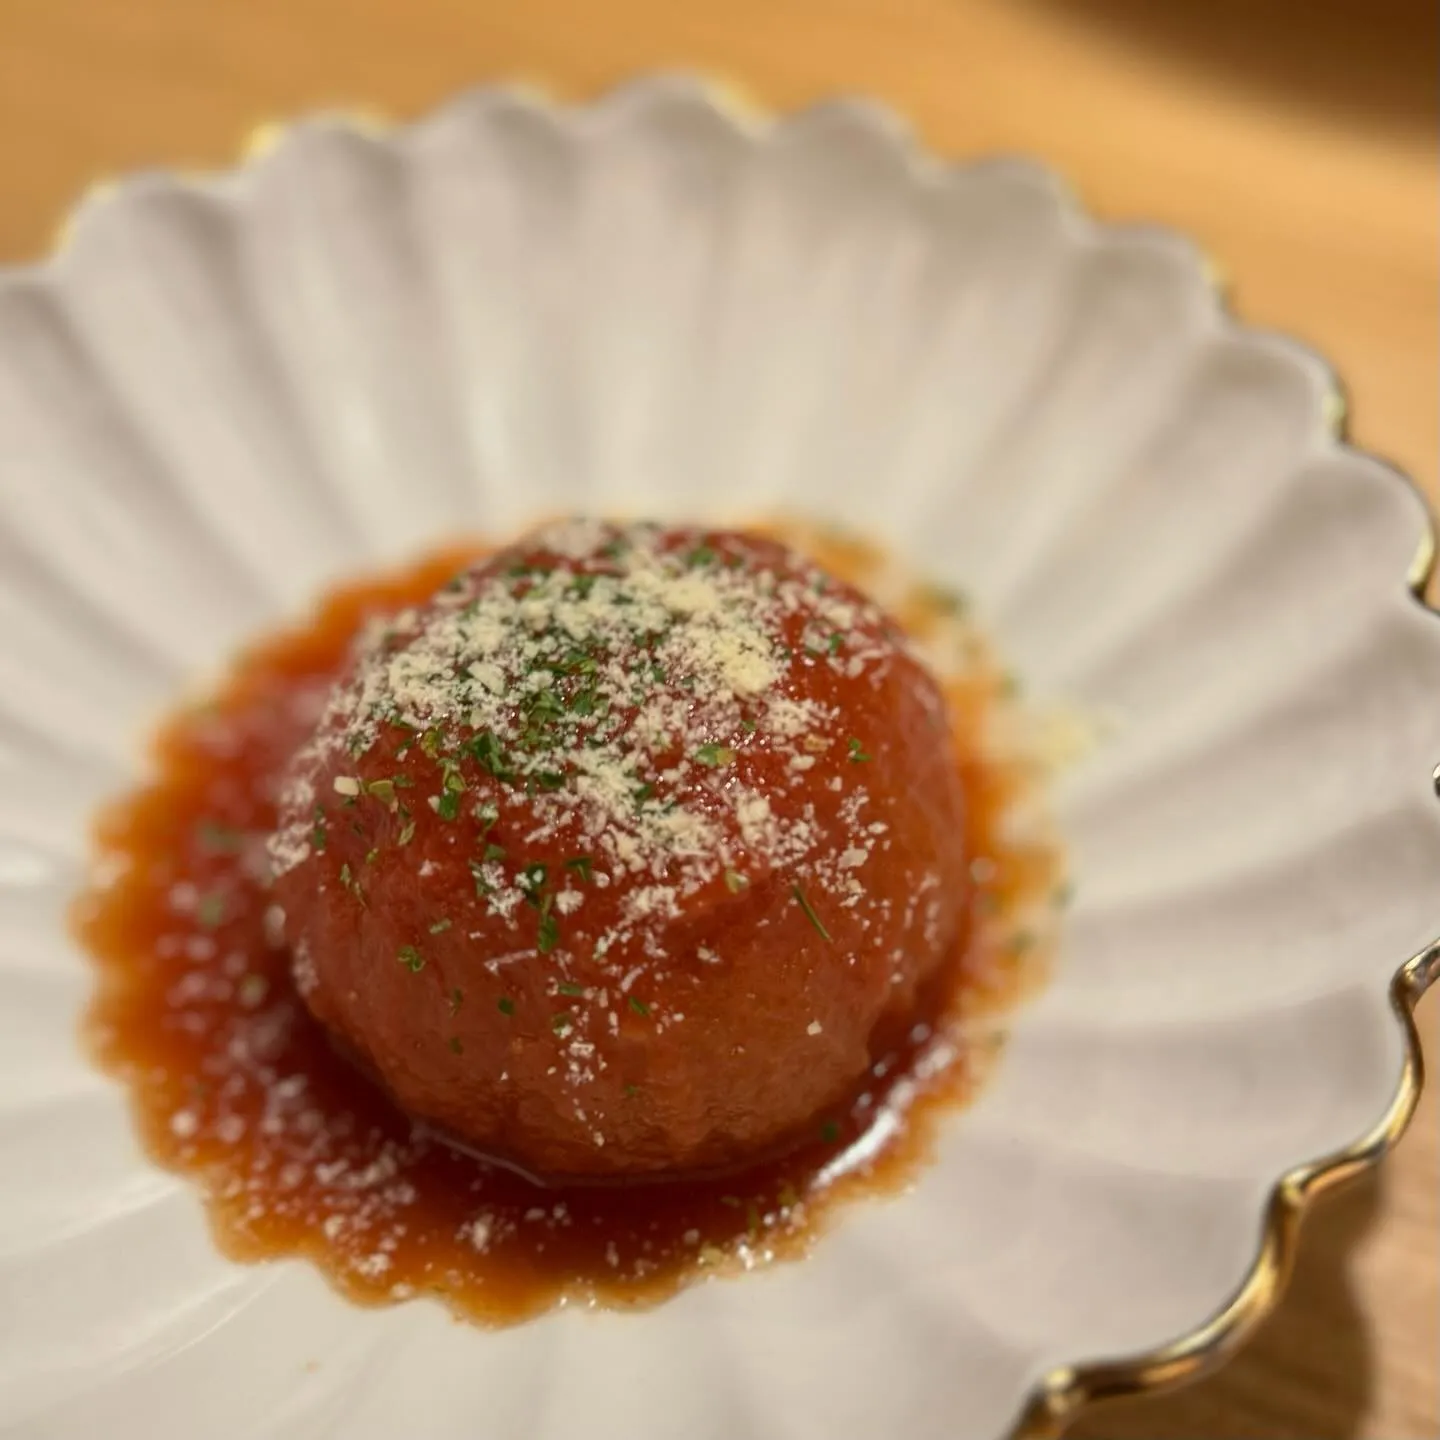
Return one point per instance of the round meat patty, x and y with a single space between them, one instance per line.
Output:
612 858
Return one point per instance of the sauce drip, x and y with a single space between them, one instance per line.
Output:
235 1086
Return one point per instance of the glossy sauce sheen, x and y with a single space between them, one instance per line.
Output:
237 1087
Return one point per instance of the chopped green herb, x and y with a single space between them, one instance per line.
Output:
348 880
809 910
494 852
562 1022
456 1046
210 910
441 926
702 555
631 1091
532 877
371 856
252 991
547 936
454 782
407 833
319 836
381 790
582 866
643 793
735 882
220 839
411 959
638 1006
487 814
858 755
714 755
486 751
830 1131
944 599
505 1005
835 643
446 804
457 999
548 780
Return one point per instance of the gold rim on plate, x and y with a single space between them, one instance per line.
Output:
1067 1392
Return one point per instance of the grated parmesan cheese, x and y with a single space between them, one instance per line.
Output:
621 680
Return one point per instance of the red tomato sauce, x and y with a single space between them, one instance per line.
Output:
237 1087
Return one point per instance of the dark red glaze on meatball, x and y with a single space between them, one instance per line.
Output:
612 859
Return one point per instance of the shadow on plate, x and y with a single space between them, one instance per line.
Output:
1308 1372
1360 61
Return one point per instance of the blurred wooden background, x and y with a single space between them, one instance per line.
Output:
1296 141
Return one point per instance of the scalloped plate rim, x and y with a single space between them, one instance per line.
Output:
1065 1391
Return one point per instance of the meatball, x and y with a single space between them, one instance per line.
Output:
610 860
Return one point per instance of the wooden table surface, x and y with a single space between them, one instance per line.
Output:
1296 141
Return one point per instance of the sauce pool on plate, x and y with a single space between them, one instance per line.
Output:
297 1149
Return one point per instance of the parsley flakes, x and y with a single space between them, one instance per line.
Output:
218 839
210 910
809 910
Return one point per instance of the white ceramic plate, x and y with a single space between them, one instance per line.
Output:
226 392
